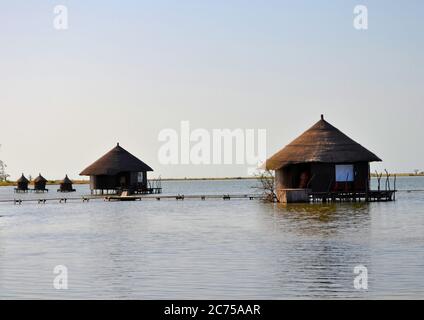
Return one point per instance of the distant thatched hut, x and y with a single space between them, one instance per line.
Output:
117 170
321 160
40 183
66 185
22 184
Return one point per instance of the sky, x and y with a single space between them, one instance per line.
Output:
124 71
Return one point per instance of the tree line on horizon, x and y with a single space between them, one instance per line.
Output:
4 175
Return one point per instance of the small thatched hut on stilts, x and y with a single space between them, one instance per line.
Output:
22 184
40 184
322 163
66 185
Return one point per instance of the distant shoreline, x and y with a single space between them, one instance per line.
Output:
76 182
373 175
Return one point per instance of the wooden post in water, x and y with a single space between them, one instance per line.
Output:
394 191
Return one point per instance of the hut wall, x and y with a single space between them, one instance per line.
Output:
324 178
143 181
293 176
362 174
121 180
321 177
23 185
102 182
40 185
134 179
282 179
66 187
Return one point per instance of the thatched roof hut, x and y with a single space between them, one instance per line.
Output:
116 160
66 185
22 183
40 183
117 169
66 180
321 143
322 159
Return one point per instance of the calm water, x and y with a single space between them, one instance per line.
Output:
212 249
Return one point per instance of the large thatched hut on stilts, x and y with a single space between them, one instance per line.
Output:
118 171
323 163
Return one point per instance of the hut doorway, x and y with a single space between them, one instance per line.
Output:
302 176
295 176
123 180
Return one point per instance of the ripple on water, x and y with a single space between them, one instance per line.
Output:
212 249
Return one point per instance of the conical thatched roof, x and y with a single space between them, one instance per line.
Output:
22 179
40 178
66 180
116 160
321 143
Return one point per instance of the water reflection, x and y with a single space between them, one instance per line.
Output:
317 247
319 219
212 249
323 211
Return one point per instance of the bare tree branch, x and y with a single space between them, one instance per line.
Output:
266 187
3 174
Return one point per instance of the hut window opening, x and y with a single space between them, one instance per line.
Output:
140 178
344 173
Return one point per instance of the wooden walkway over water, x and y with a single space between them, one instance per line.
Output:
372 196
135 198
182 197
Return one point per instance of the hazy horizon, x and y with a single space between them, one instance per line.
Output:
124 71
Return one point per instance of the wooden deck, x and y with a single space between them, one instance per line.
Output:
149 191
117 192
183 197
